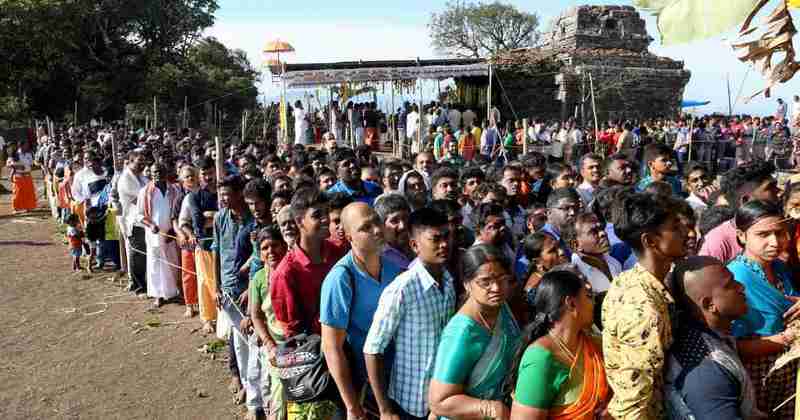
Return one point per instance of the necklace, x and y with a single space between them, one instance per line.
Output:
563 347
484 322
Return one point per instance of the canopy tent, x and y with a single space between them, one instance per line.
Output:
321 74
401 73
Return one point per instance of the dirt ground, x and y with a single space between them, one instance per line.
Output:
77 346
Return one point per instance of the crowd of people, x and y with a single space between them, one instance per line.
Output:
461 283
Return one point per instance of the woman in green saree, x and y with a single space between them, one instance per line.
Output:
478 344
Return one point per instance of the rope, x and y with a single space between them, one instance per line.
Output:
502 89
163 261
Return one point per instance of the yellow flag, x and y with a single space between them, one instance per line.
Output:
793 3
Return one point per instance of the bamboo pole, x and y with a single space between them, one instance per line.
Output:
594 112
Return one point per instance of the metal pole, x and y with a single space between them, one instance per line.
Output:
594 111
185 112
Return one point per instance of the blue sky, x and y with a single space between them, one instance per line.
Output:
329 30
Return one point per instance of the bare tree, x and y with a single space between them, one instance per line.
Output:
470 29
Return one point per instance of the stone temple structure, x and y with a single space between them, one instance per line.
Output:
601 46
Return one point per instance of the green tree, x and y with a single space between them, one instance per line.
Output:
99 52
470 29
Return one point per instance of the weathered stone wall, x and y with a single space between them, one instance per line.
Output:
608 42
605 27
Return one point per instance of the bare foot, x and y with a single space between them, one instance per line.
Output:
208 328
188 313
240 397
235 386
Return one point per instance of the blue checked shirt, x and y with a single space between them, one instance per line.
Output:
411 314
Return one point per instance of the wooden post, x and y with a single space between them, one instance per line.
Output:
351 130
219 159
594 111
244 126
421 124
393 126
524 137
75 115
489 98
155 112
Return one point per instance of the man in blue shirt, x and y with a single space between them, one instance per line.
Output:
658 158
350 182
349 298
203 202
233 250
563 206
705 377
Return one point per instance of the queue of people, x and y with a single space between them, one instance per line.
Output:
525 287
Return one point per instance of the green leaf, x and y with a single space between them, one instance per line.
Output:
683 21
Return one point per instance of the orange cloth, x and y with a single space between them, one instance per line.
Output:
205 262
371 138
595 388
24 193
80 210
189 279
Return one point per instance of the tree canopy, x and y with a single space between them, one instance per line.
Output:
470 29
107 54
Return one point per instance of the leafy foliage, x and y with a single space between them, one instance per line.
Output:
468 29
109 53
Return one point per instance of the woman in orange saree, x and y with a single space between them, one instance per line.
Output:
560 373
20 162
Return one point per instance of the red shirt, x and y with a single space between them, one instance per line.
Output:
295 288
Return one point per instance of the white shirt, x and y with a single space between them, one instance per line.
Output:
600 283
586 191
468 117
128 188
454 116
696 203
412 121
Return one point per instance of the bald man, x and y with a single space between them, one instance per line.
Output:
349 299
705 376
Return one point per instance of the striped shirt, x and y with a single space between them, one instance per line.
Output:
411 314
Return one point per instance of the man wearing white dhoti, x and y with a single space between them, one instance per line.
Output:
155 203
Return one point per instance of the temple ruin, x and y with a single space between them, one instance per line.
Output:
603 46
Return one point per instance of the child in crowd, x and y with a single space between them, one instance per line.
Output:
75 239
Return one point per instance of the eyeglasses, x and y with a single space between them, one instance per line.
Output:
486 283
